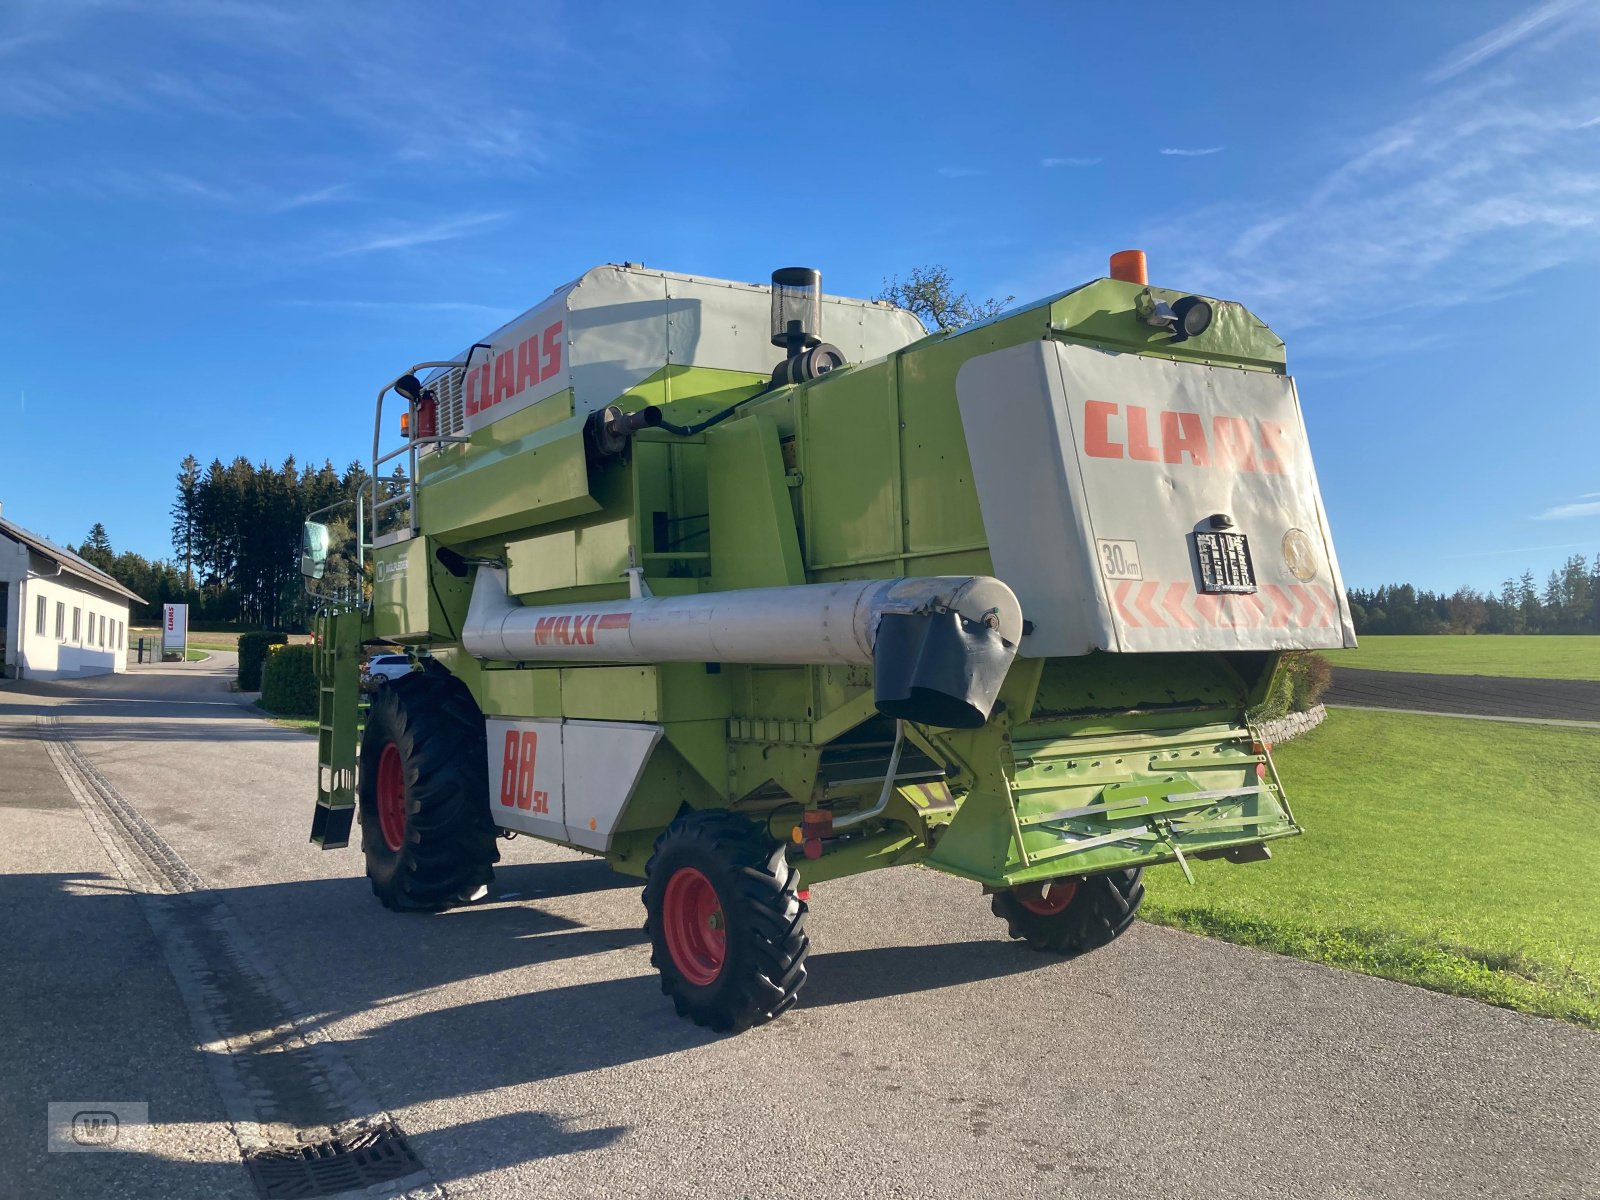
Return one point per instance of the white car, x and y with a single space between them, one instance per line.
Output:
383 667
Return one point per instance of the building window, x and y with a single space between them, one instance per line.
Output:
38 623
102 631
61 621
77 624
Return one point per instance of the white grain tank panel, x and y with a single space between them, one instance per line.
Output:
865 330
618 338
1030 493
603 761
1133 457
721 325
614 327
526 360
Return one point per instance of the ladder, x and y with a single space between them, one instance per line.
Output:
338 650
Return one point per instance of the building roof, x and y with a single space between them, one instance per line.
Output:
71 564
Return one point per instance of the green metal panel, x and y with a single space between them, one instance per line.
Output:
693 692
593 555
400 590
1103 313
941 504
753 539
610 693
509 692
414 599
531 480
602 552
543 564
848 427
704 747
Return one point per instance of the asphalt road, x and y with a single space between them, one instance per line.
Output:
170 937
1560 700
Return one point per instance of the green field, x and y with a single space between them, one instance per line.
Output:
1455 855
1543 656
207 639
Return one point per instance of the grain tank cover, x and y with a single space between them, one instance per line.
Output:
616 326
1140 504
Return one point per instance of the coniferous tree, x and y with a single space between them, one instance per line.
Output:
184 512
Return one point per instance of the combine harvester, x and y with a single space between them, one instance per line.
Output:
995 601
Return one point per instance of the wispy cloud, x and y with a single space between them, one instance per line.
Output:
1070 162
1500 39
158 185
1587 505
311 199
1478 184
403 237
959 172
446 108
1199 152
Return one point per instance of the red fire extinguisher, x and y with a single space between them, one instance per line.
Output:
427 416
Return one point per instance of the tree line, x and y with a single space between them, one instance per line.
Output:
235 541
1569 602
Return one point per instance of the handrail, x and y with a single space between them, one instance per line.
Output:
409 448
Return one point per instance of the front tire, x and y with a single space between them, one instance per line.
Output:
426 829
727 931
1072 916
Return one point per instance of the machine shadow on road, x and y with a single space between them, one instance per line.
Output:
381 996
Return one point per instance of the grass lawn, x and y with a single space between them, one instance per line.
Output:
206 640
1533 656
1454 855
303 724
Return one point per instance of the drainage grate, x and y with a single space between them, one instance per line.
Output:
357 1160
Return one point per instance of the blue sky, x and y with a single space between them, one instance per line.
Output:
226 222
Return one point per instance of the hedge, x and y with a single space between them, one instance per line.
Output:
1303 676
289 682
252 653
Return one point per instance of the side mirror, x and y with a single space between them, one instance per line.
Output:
313 550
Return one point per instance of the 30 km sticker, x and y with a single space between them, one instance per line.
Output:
516 772
1119 560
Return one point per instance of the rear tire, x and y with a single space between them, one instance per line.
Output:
1051 918
727 931
426 829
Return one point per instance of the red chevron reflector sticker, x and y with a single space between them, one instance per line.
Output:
1158 604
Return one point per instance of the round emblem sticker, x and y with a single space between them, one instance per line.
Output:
1299 555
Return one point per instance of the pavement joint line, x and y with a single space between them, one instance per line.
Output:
267 1072
242 705
1422 712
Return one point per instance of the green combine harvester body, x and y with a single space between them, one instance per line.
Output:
995 600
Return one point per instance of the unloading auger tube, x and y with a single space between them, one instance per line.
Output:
940 645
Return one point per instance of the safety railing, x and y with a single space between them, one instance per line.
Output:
404 481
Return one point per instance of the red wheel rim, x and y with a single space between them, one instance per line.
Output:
392 797
695 928
1048 899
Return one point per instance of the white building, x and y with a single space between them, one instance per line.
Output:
60 617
